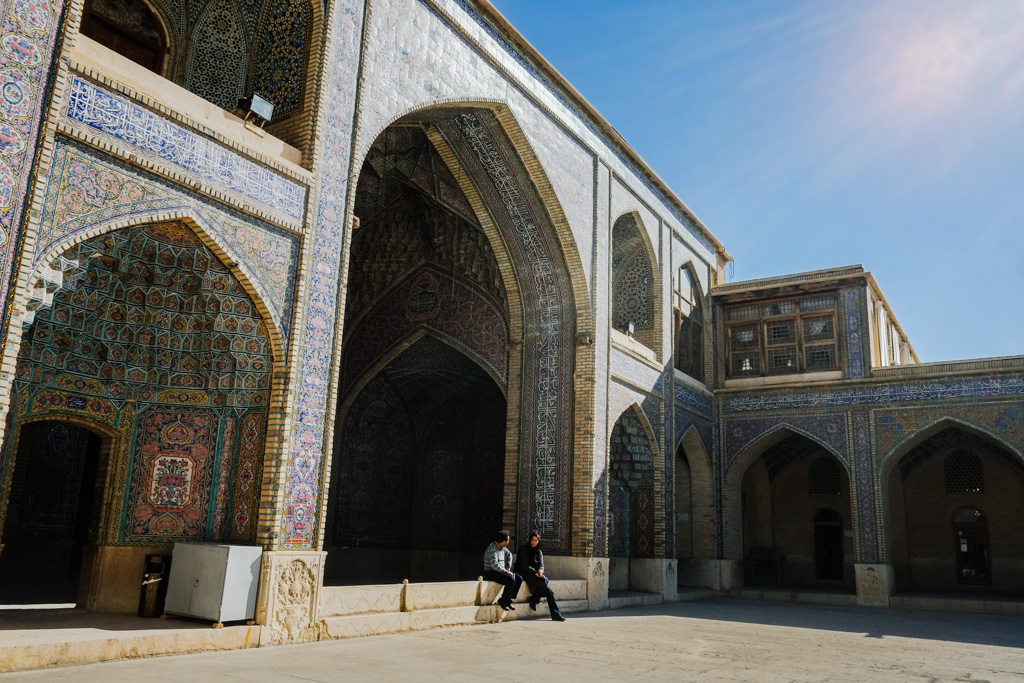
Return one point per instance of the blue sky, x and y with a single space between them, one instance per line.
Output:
813 134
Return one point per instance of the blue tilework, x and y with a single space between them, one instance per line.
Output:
888 393
87 190
828 429
868 537
692 398
128 122
28 31
305 459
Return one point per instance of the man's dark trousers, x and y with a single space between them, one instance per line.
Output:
510 582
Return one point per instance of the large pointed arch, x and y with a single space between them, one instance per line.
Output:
888 514
515 204
732 512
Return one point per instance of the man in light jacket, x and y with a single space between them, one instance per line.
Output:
498 568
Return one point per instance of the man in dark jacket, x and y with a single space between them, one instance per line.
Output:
530 565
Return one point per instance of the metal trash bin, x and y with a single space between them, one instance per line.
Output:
154 586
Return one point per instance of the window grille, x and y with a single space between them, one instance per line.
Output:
821 358
803 341
819 328
780 308
782 360
744 337
823 478
781 332
746 364
747 312
817 303
964 473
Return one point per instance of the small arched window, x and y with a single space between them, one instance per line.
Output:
129 28
963 473
689 324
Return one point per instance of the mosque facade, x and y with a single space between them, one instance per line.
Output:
433 296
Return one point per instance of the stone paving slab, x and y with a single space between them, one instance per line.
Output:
711 640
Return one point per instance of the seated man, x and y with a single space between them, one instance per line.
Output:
498 568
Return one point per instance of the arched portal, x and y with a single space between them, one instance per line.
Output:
955 501
421 458
155 342
456 244
795 500
52 506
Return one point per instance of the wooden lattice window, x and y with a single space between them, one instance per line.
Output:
823 477
963 473
689 324
783 336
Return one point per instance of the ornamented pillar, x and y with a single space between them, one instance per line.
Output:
289 597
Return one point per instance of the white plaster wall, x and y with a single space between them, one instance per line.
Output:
416 58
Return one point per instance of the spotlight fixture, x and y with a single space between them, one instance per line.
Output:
257 105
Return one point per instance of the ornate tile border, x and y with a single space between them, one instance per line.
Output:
887 393
125 121
28 33
305 462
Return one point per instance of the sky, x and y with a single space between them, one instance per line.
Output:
811 134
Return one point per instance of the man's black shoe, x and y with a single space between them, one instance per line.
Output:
557 617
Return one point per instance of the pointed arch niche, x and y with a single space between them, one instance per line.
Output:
634 286
773 493
932 483
154 337
688 322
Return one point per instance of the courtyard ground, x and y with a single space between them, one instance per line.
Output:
710 640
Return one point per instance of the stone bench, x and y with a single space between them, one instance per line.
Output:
349 611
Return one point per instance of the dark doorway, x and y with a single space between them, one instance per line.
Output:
128 28
828 545
50 513
970 535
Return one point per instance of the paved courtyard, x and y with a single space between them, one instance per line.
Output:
710 640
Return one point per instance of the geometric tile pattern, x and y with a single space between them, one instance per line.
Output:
631 277
278 72
27 34
631 490
305 465
217 57
85 191
149 314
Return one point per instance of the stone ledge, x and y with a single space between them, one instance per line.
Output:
105 648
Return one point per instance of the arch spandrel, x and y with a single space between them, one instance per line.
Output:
263 257
891 457
746 437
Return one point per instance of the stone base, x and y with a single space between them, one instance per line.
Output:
593 570
288 603
730 574
700 573
875 584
